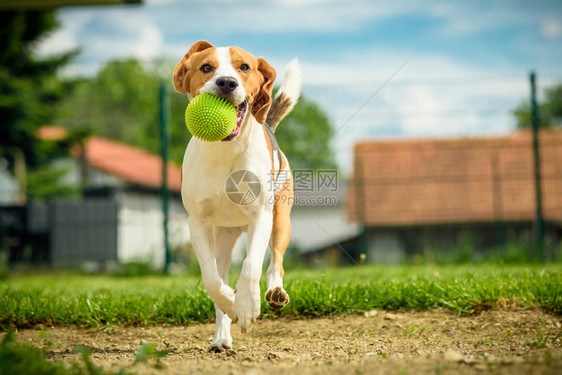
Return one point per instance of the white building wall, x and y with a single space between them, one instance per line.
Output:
141 233
316 227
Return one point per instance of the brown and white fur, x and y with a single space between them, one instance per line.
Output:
215 222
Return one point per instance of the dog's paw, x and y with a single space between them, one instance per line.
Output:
219 347
246 307
277 297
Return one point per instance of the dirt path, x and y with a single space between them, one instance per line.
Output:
496 342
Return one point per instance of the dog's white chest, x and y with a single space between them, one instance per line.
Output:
221 185
207 200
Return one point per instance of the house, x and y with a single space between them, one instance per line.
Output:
133 177
318 220
419 194
137 177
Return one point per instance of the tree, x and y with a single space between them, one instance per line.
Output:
550 111
122 103
29 89
305 135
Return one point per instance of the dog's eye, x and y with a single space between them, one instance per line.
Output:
206 68
245 67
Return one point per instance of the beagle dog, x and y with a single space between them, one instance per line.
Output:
240 184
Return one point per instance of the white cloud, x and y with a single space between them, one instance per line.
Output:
432 96
104 34
138 37
58 42
273 16
370 66
551 28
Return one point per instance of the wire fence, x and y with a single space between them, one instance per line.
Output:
417 154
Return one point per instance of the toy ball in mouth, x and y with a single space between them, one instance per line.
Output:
210 118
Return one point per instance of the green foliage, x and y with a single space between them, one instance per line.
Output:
18 359
29 92
305 135
44 183
29 88
550 111
122 103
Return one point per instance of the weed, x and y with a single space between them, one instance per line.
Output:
147 352
485 341
189 347
166 344
543 338
91 368
413 331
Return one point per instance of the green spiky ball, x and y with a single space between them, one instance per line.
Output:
210 118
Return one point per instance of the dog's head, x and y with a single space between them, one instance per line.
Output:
230 73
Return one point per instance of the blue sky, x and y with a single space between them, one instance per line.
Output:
348 49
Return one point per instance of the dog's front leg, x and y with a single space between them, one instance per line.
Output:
225 238
203 244
247 299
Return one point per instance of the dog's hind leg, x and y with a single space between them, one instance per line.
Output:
224 240
275 295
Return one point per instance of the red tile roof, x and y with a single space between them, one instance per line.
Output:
454 180
130 164
51 133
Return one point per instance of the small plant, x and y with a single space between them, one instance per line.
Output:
166 344
413 331
189 347
542 338
485 341
91 367
147 351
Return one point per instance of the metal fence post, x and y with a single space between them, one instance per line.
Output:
539 223
164 153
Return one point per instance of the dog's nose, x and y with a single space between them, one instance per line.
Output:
227 84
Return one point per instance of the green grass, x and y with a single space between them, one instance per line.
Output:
102 301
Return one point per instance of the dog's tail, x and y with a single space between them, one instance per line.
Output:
286 97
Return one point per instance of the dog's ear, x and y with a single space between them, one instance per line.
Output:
180 73
262 101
